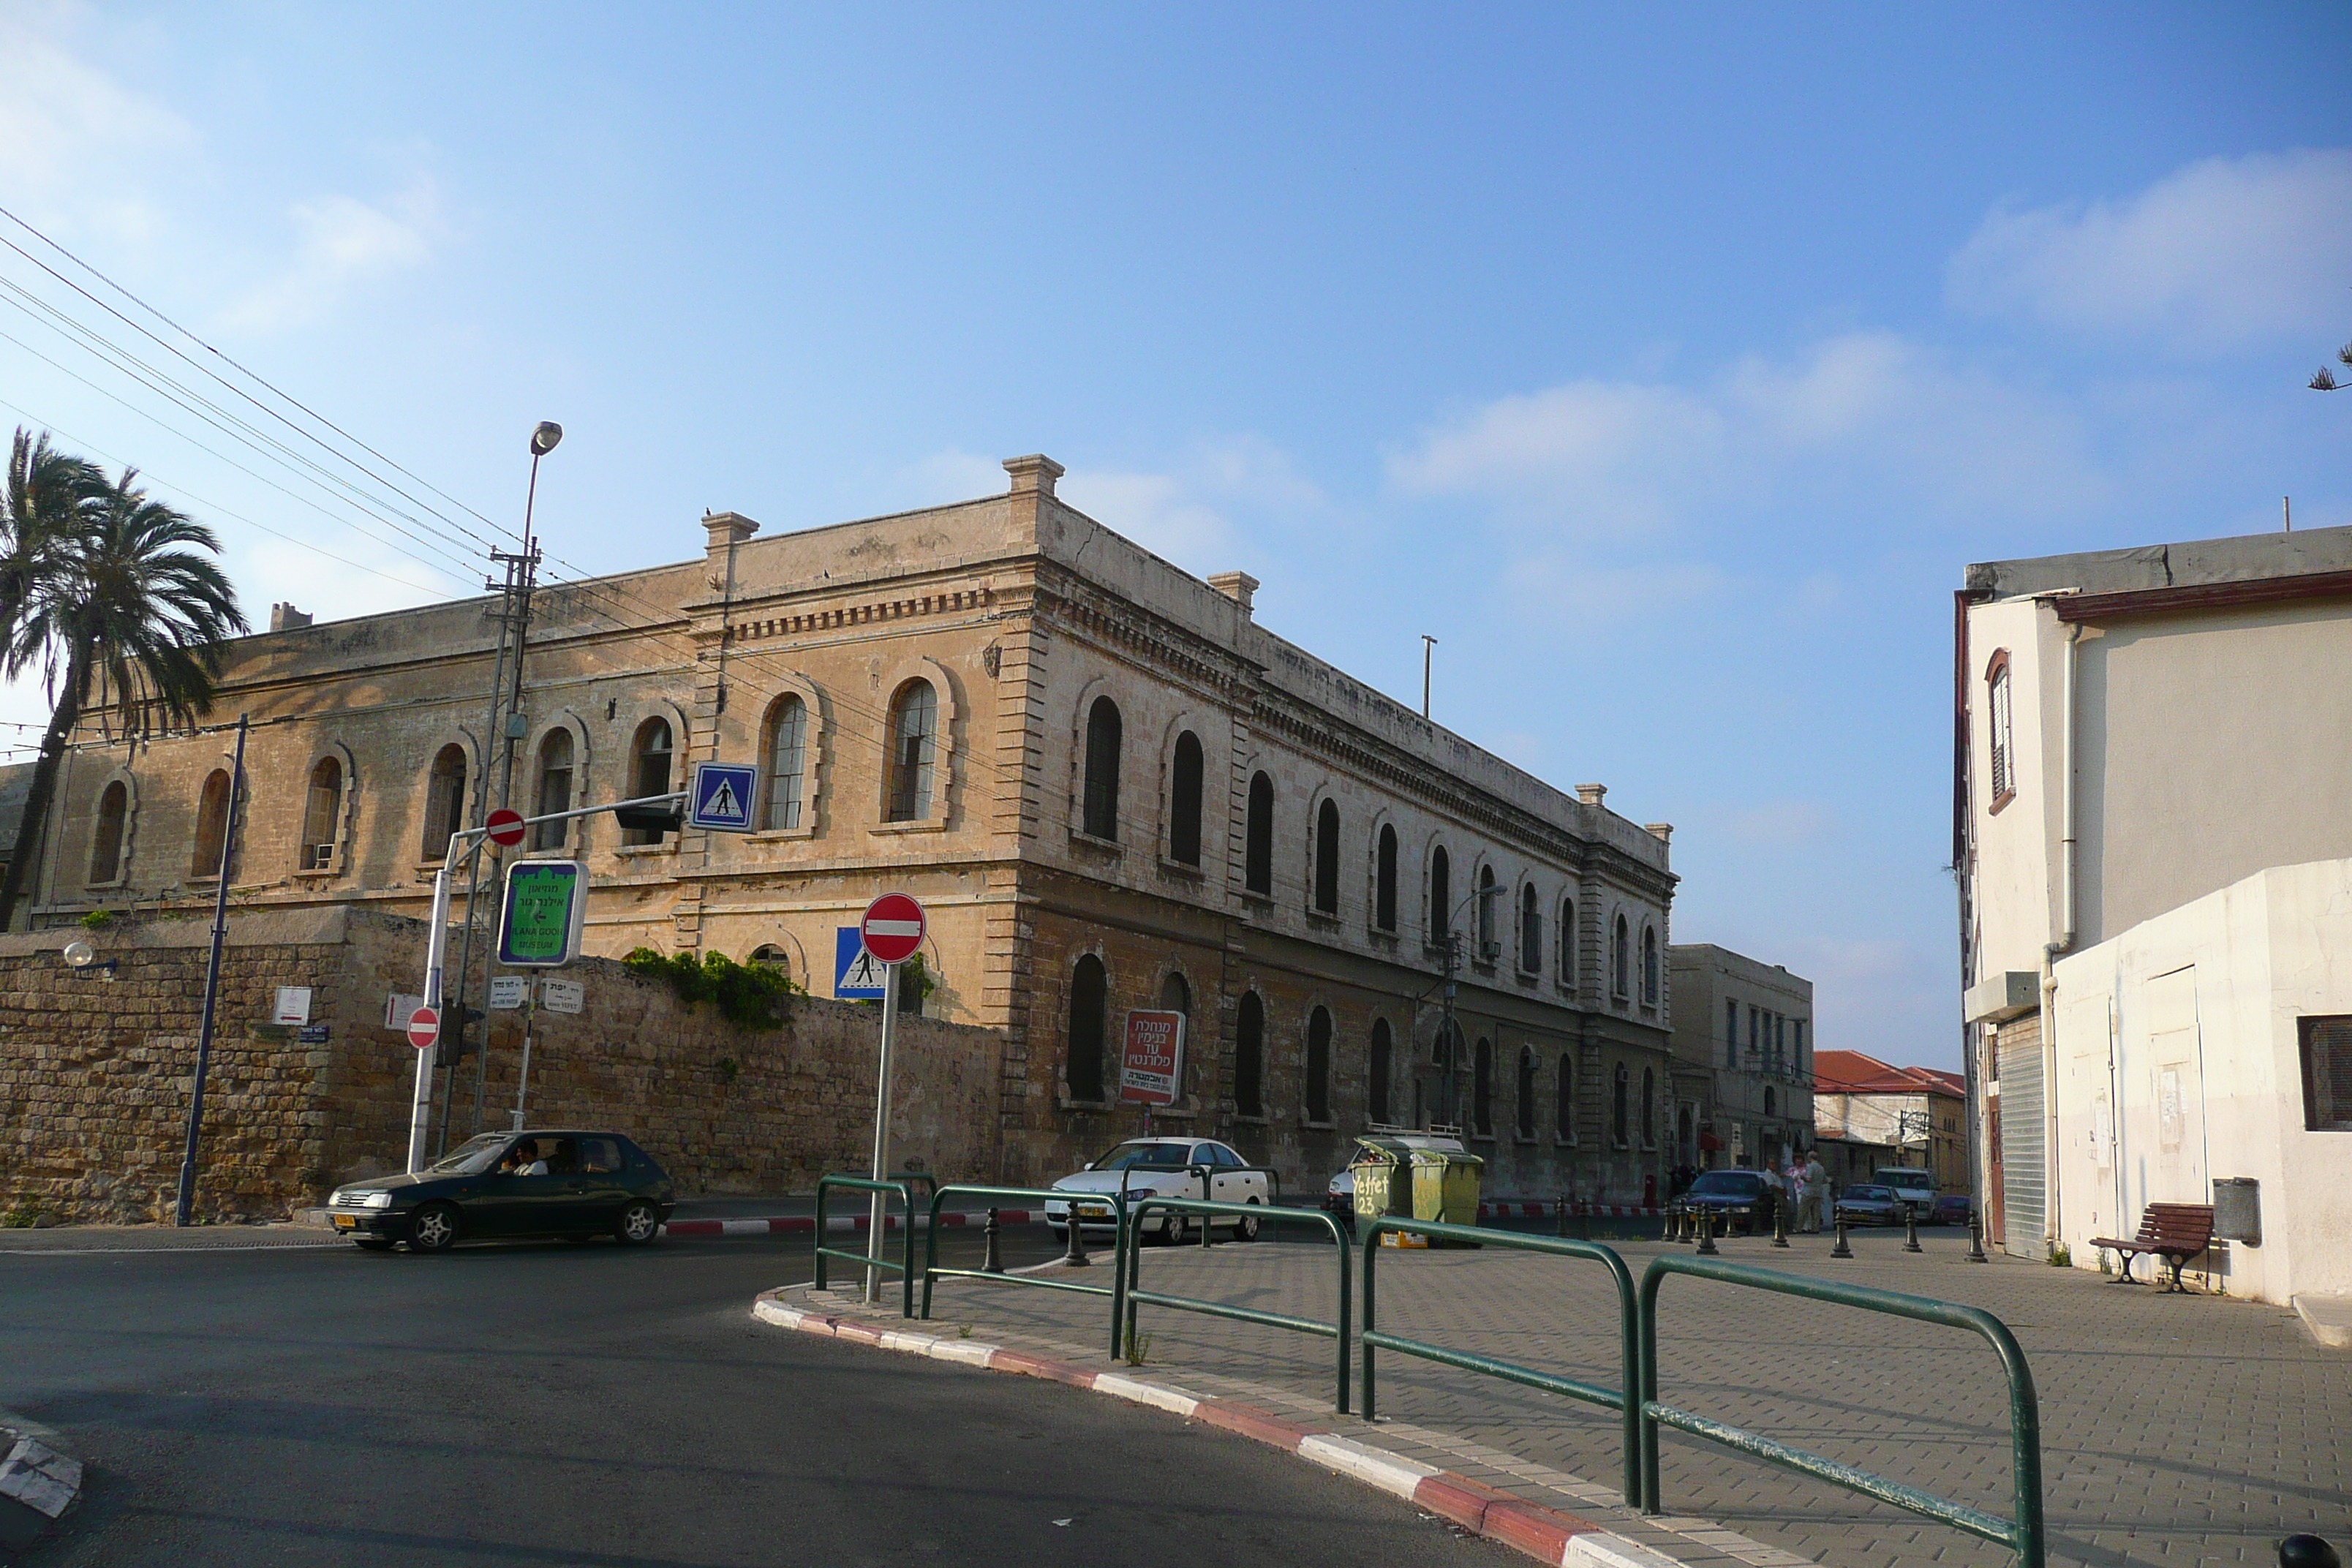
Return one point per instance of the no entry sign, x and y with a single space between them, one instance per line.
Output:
893 928
424 1029
504 826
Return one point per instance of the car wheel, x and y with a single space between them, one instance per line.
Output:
1246 1228
372 1243
639 1224
1173 1228
432 1228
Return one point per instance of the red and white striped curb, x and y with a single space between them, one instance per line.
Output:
1546 1534
804 1225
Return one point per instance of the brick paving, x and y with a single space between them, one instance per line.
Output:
2174 1429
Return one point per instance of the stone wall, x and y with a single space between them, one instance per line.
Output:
96 1068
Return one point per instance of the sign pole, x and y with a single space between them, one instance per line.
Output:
523 1082
882 1136
181 1213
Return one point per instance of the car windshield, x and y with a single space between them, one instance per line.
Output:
1728 1185
1145 1156
472 1157
1904 1178
1868 1193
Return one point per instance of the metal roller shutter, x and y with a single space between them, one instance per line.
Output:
2024 1183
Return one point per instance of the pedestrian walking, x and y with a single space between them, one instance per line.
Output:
1817 1184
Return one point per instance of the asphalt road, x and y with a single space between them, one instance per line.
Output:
545 1404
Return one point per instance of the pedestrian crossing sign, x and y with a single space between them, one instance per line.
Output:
721 796
857 974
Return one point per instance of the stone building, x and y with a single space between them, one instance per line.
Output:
1920 1112
1743 1042
1110 787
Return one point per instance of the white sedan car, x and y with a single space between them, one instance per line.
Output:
1165 1168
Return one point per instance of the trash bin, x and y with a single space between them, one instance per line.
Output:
1445 1185
2238 1209
1383 1185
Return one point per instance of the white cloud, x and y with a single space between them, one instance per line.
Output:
2223 253
80 144
342 243
1866 417
1211 511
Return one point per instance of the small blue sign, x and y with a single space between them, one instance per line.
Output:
857 974
721 796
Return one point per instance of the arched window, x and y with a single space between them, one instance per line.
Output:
1319 1066
1489 948
1649 1107
1531 931
649 770
1619 1120
1568 975
1258 847
554 792
445 800
1563 1111
2004 763
1619 981
319 814
1481 1088
1649 966
1184 802
1249 1057
914 743
1104 734
1382 1044
1176 996
106 843
1089 992
1385 880
787 764
1327 859
1440 895
768 956
1526 1106
211 826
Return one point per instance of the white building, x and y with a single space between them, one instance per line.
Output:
2135 730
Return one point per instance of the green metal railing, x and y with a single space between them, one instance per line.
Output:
1120 1239
2023 1534
1629 1342
905 1267
1264 1215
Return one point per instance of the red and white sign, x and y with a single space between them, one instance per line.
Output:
424 1029
504 826
1151 1063
892 929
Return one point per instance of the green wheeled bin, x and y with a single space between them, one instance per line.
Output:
1382 1172
1445 1183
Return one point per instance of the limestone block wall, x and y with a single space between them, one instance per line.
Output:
96 1072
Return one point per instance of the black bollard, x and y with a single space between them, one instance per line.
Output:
1560 1215
1706 1247
991 1261
1976 1241
1672 1219
1841 1249
1780 1225
1584 1219
2307 1551
1911 1228
1076 1257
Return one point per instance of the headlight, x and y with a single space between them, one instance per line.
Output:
1137 1194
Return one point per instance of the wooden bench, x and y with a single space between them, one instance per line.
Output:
2175 1233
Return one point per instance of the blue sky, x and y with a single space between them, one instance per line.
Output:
1666 364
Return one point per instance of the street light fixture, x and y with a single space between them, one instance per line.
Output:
543 439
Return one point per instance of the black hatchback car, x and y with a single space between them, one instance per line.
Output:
1739 1199
568 1183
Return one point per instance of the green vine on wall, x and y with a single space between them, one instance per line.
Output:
750 995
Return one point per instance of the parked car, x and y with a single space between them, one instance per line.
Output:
1340 1196
1870 1204
1738 1198
1915 1187
566 1182
1949 1208
1166 1168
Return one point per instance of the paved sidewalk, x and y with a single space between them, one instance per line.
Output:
2176 1430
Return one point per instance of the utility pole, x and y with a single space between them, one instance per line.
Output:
187 1206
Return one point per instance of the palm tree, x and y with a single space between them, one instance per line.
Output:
124 612
48 493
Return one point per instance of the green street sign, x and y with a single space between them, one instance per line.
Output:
539 919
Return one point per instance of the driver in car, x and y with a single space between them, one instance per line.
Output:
523 1160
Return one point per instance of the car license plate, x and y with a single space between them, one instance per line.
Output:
345 1221
1093 1210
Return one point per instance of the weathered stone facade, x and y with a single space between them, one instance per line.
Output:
95 1080
1018 617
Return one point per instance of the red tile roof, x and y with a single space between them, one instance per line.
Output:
1850 1072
